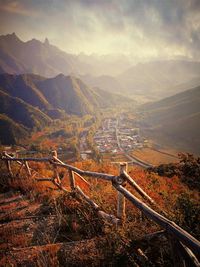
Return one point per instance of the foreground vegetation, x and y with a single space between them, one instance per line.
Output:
175 198
187 169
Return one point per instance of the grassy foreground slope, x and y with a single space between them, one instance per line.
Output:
41 225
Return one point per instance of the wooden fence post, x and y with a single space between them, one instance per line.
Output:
27 168
8 165
54 153
56 174
72 180
9 168
121 212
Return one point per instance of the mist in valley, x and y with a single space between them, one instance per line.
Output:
143 51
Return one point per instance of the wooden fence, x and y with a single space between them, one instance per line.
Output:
188 248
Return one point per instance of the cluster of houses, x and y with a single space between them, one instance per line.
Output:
129 139
105 138
115 136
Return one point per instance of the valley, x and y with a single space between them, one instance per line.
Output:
82 124
101 137
119 139
99 134
58 88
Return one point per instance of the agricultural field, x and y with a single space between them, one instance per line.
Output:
109 157
155 157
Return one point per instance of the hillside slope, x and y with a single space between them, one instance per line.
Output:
75 97
22 112
31 100
68 93
10 131
23 86
17 118
175 120
60 92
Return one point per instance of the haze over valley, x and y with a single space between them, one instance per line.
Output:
155 79
99 133
62 82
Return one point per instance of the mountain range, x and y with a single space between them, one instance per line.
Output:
39 83
151 80
174 121
33 101
43 58
160 78
33 56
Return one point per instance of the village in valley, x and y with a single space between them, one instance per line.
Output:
117 135
116 138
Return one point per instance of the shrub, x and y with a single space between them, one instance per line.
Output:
188 169
188 214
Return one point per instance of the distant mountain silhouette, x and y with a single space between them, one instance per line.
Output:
36 57
112 73
43 58
160 78
150 81
175 120
105 82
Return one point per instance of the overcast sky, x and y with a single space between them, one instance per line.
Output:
142 28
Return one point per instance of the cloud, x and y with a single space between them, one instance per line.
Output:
143 28
16 7
173 26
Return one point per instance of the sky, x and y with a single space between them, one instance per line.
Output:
140 28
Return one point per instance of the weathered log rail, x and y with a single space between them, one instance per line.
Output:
189 247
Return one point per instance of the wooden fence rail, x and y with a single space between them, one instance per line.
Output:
190 247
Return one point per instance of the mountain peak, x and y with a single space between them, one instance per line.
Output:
63 78
46 41
11 36
60 75
34 43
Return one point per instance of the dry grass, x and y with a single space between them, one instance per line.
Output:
76 221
